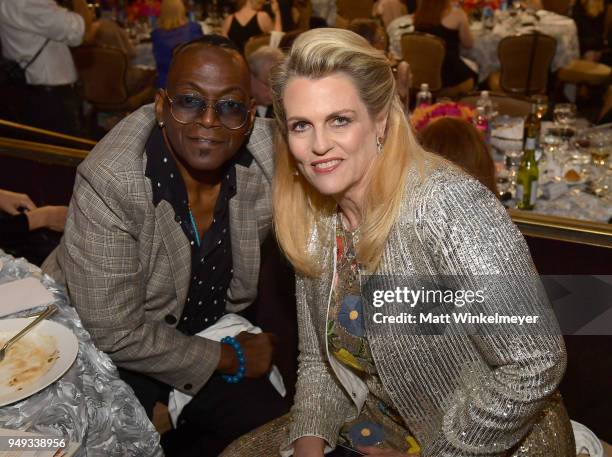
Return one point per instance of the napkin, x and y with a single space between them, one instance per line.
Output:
228 325
23 294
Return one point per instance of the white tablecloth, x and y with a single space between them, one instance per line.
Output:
562 28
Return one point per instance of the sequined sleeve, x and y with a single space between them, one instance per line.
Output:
321 406
468 233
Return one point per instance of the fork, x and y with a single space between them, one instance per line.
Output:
47 312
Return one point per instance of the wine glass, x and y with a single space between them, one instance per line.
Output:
564 116
541 103
513 160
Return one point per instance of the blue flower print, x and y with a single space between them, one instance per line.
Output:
350 316
366 433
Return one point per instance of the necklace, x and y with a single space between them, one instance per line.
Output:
195 227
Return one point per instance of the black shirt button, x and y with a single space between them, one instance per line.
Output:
177 218
188 386
170 319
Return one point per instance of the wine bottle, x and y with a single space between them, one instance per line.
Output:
528 173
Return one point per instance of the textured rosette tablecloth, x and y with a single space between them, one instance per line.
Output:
89 403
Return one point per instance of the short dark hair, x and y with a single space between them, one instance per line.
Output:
216 41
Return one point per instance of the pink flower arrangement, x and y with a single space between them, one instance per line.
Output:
424 114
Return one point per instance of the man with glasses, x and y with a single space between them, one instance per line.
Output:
163 238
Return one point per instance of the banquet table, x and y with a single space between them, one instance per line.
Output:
484 52
571 200
89 404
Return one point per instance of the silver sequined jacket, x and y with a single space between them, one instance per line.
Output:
459 395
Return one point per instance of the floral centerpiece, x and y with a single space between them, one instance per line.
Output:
423 115
470 5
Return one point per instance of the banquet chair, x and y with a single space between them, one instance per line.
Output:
256 42
525 64
425 54
558 6
353 9
514 106
304 8
103 76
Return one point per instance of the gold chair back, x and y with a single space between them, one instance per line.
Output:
525 63
352 9
425 54
102 71
558 6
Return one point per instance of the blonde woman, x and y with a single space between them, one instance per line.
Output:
173 29
355 194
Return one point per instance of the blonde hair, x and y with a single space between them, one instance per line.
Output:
297 205
172 15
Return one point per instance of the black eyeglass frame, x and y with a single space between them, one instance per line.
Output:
208 104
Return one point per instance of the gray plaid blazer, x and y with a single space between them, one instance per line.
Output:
126 263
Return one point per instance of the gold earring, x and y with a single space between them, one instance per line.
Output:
379 145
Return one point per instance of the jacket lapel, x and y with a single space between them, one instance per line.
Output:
177 247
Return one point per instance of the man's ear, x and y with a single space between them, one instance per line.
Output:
252 114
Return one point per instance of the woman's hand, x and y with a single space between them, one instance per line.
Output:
51 217
258 354
275 8
373 451
309 446
11 202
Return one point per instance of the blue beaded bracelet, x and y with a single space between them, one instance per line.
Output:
235 378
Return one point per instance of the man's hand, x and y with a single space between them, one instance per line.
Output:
373 451
11 202
52 217
258 354
308 446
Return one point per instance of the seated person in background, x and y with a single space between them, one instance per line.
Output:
325 10
590 16
388 10
19 216
372 31
163 238
461 143
109 33
441 18
173 28
250 21
261 62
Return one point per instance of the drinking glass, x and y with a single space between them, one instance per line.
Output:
513 160
541 102
564 116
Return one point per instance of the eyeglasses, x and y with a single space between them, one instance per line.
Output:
188 108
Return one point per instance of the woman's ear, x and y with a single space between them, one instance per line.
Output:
381 124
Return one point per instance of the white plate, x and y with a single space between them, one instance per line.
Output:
67 348
586 439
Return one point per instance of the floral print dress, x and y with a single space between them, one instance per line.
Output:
378 424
